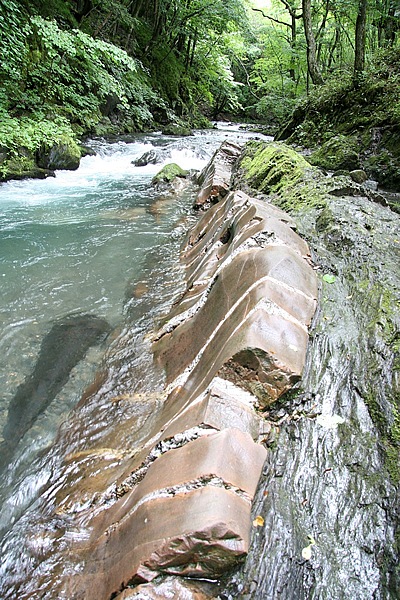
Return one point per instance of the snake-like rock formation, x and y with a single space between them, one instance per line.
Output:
234 342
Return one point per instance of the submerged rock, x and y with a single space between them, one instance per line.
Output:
63 347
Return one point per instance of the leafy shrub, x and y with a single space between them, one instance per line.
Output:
48 69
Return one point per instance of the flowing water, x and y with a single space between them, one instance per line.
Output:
100 241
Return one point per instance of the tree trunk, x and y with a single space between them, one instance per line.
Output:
312 63
359 51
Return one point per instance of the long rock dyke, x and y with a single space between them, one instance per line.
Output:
233 343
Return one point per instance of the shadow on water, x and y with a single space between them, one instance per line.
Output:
61 350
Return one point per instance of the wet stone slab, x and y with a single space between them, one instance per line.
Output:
206 532
228 458
215 178
222 406
260 303
169 588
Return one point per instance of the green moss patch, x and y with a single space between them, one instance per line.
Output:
339 152
276 169
168 174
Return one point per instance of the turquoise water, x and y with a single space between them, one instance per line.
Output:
73 244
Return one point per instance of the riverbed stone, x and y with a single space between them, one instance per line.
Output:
168 173
64 154
169 588
196 464
264 312
223 406
339 152
150 157
216 176
236 222
205 534
358 176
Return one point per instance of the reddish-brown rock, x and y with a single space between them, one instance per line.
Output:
170 588
201 533
260 303
215 178
220 408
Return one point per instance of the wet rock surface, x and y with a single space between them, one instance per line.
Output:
216 176
169 492
200 462
249 300
170 587
329 490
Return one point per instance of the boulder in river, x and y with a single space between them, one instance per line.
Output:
151 157
168 173
64 154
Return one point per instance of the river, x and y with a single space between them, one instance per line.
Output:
99 241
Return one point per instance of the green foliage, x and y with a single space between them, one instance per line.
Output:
341 107
32 132
272 108
73 72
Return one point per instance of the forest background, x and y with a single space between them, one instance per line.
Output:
311 71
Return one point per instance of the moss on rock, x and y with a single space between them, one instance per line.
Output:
168 173
276 169
64 154
179 129
339 152
21 165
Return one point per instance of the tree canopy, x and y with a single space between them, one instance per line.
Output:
139 62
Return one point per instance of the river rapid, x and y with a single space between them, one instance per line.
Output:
100 241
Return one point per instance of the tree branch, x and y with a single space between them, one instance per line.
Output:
271 18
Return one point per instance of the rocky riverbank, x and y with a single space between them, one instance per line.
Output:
267 461
329 495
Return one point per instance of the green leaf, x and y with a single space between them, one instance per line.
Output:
329 278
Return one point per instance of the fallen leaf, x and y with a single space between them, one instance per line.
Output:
311 540
307 551
258 521
329 278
